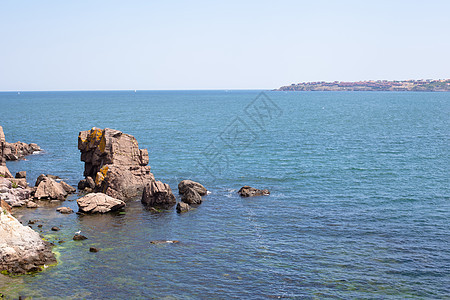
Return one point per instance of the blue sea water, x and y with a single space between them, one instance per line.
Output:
359 204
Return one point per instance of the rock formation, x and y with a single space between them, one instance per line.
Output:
189 184
115 162
21 249
247 191
158 195
99 203
15 151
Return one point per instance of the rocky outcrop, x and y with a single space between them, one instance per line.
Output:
247 191
16 151
184 185
21 249
115 162
158 195
13 194
48 188
99 203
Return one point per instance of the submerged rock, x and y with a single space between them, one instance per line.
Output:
247 191
158 242
99 203
21 249
115 162
158 194
184 185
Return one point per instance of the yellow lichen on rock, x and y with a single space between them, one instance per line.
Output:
102 144
100 176
95 136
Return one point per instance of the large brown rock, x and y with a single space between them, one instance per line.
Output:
189 184
99 203
158 195
115 162
247 191
21 249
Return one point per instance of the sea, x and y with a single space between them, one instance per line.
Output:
359 203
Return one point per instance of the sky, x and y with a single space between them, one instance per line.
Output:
182 45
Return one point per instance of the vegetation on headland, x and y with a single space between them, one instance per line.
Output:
428 85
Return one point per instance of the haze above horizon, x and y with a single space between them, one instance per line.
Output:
150 45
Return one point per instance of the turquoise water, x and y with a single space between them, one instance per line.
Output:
359 205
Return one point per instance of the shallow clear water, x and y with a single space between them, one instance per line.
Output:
359 205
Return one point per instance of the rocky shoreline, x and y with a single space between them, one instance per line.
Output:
116 171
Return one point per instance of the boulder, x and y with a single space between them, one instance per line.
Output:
99 203
182 207
50 189
79 237
4 172
115 162
189 184
247 191
191 197
158 194
21 249
21 174
39 179
90 182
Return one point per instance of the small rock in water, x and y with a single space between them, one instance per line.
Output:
64 210
183 207
40 225
79 237
54 228
21 174
60 242
247 191
93 249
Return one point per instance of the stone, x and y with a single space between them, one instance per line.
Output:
115 162
4 172
90 182
158 194
79 237
68 188
21 248
21 174
191 197
54 228
64 210
93 249
182 207
31 204
247 191
99 203
82 184
50 189
184 185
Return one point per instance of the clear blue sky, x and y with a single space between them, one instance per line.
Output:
89 45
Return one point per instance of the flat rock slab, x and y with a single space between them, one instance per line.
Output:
99 203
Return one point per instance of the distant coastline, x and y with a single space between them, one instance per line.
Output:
428 85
